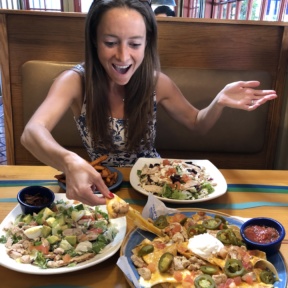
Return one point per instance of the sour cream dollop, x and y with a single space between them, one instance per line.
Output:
204 245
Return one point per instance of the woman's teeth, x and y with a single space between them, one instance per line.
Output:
121 69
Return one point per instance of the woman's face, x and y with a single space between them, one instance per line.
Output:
121 41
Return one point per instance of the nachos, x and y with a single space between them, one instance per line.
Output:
200 251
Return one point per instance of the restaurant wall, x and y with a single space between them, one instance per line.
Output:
236 46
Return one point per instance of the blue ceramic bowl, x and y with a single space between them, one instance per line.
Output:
271 247
33 199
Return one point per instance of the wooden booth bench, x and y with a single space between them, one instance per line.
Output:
201 56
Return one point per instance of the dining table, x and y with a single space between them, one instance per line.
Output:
250 193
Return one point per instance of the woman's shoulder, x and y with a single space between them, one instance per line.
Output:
79 68
164 86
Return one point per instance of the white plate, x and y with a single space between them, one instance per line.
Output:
217 176
106 253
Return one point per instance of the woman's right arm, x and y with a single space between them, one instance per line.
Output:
66 92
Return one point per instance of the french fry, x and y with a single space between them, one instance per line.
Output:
98 160
107 181
108 177
99 167
105 172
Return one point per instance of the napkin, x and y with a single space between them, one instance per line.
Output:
123 264
155 207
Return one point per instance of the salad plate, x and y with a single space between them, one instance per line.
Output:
136 236
209 168
106 253
112 187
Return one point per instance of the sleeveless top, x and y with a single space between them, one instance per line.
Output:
121 157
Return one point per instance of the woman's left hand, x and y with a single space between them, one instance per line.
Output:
242 95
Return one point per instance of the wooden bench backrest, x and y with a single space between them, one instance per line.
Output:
183 43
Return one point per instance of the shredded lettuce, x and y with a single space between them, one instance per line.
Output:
40 260
3 239
208 187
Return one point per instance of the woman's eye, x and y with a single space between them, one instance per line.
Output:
135 45
110 43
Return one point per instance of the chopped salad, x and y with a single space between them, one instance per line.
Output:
176 179
64 235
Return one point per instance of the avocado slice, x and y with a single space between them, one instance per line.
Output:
53 239
72 239
46 231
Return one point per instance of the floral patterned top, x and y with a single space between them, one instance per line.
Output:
121 157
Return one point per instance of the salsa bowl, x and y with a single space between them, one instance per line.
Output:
33 199
262 233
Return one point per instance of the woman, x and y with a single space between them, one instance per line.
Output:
114 95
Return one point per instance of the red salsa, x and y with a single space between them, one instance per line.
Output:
261 234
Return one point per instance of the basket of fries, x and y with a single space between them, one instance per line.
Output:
110 175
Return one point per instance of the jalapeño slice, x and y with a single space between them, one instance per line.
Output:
161 222
146 249
204 281
233 268
196 230
212 224
165 262
209 269
267 277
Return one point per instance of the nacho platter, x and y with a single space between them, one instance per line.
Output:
136 236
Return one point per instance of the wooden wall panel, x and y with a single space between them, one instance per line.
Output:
6 90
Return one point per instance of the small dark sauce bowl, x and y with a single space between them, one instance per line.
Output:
268 248
43 194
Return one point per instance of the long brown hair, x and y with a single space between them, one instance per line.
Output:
138 92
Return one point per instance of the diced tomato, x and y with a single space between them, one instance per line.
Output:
178 276
229 281
178 217
188 279
96 230
171 171
152 267
248 278
173 228
237 280
42 248
185 178
159 245
166 162
176 228
66 258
